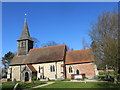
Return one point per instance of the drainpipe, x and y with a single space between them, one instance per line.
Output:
56 70
11 74
64 68
43 73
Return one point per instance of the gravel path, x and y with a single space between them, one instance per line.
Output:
48 83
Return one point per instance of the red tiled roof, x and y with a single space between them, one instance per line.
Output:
79 56
32 68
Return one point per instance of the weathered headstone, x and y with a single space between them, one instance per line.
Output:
14 81
107 76
17 87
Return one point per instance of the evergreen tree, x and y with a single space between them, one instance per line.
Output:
6 60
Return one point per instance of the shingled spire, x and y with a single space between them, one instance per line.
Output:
25 32
25 42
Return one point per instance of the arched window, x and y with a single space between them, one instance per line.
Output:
70 69
77 71
52 68
39 69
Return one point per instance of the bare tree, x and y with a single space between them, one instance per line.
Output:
49 43
53 43
85 44
36 42
69 49
104 35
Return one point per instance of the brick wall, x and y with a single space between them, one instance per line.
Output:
86 68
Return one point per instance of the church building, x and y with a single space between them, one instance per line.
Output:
52 62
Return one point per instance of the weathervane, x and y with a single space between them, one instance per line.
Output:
25 16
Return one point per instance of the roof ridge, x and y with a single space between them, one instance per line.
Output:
46 47
73 62
79 50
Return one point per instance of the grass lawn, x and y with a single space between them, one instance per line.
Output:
62 84
10 85
0 85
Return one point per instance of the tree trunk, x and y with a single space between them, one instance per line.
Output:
115 78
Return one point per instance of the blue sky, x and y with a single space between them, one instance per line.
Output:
61 22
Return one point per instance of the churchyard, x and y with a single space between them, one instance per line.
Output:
61 84
46 66
99 82
103 80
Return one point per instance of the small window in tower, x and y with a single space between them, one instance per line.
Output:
22 44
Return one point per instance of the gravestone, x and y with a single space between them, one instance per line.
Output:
78 77
17 87
14 81
109 78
